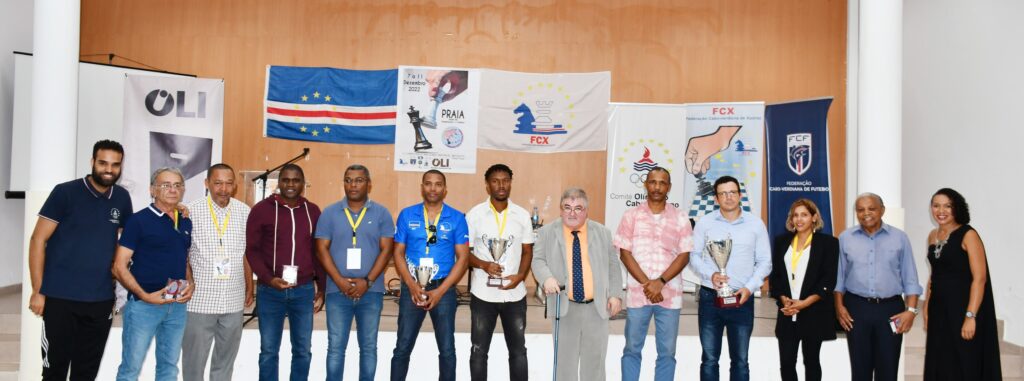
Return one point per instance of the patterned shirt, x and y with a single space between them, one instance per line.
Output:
655 241
218 271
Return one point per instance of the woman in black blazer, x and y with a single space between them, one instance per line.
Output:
807 261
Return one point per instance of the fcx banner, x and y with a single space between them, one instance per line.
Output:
798 163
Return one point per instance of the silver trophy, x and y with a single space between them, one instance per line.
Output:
424 274
720 251
497 247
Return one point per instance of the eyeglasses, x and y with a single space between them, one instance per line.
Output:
728 193
571 210
168 186
433 237
357 180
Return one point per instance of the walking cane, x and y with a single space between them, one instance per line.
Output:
558 316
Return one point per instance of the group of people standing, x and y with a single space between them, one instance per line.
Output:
188 271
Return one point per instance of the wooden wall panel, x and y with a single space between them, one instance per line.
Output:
658 52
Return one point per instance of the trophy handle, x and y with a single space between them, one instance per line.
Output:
435 269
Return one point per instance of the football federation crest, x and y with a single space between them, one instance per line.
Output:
798 147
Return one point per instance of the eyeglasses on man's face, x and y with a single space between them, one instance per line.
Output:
572 210
169 186
357 180
730 193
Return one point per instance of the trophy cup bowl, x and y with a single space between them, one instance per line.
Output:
720 251
498 247
423 275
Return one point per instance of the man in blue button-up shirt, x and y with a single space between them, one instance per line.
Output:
749 264
876 271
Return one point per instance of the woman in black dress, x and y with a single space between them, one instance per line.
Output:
804 268
959 314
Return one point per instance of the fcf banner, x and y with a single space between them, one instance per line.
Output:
171 122
437 119
723 139
330 105
798 164
544 113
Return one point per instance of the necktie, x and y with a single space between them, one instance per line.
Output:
577 268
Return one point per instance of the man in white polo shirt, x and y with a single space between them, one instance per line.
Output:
497 283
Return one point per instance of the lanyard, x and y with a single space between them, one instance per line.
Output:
427 222
504 219
221 230
355 225
797 254
175 218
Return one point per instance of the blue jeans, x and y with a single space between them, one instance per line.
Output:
738 322
143 321
340 311
410 319
666 332
272 305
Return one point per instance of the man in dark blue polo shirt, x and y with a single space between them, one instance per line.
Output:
153 251
430 234
70 253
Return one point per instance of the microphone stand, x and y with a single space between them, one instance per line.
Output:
264 177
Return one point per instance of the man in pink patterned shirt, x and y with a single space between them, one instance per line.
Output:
654 241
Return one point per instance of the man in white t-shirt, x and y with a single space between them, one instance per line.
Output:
499 226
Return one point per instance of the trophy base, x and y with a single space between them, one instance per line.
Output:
496 282
423 145
727 301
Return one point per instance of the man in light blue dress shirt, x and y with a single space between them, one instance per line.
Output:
876 272
749 264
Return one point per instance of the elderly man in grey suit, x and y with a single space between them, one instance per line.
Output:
578 253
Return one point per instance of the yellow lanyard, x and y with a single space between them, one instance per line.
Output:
504 219
355 225
427 222
797 254
221 230
175 218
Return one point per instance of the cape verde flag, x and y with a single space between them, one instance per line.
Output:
331 105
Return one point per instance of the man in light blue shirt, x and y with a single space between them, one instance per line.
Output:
354 238
749 264
876 270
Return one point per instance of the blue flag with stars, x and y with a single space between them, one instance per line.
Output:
331 105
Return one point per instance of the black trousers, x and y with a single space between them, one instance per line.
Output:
874 349
74 333
513 324
787 358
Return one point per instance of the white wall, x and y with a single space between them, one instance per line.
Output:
963 80
16 35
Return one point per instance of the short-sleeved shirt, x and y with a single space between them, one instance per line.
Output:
335 227
483 223
215 292
81 250
655 240
411 231
160 250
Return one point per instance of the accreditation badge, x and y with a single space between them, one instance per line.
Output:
354 258
223 268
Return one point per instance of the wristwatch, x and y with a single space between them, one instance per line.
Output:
912 310
662 279
969 315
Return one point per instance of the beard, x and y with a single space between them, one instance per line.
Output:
98 178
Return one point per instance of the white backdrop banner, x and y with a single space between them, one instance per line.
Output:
641 137
436 126
723 139
541 113
171 122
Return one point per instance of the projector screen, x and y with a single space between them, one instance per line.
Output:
100 112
